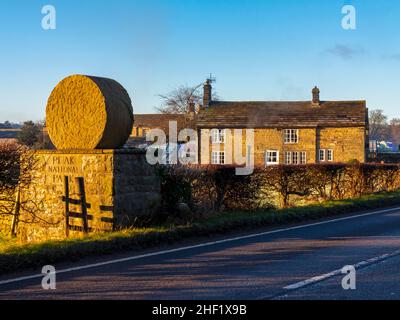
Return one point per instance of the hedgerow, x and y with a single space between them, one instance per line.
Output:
218 188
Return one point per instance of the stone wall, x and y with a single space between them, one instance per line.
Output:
7 209
119 185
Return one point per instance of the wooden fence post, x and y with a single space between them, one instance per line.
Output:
15 218
66 192
82 195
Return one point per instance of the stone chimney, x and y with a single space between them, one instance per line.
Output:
192 110
207 95
192 106
315 96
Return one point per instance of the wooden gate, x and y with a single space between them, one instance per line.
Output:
83 205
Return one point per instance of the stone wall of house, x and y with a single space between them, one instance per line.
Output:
272 139
347 144
119 185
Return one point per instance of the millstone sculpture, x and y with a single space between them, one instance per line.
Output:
77 189
85 112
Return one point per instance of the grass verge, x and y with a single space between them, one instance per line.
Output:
15 256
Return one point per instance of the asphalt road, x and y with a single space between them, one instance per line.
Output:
377 282
260 266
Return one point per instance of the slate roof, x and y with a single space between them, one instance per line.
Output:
161 121
283 114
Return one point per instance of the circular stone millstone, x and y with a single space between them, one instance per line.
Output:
85 112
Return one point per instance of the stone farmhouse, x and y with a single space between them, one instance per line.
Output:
285 132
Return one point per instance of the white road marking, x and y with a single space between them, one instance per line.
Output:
334 273
202 245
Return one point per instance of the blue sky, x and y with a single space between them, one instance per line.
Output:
257 50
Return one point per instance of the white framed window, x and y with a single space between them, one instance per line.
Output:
214 157
321 155
217 136
329 155
288 157
218 157
291 136
271 157
295 157
221 157
303 157
214 136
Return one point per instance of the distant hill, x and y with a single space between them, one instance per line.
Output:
9 125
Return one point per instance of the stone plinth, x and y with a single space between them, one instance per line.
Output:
119 184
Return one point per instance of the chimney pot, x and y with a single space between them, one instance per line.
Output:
315 96
192 106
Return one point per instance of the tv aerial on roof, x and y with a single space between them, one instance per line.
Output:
211 79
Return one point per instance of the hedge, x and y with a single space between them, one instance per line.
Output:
218 188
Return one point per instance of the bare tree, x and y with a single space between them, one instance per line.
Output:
179 100
378 125
10 153
17 165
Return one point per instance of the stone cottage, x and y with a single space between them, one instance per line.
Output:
285 132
